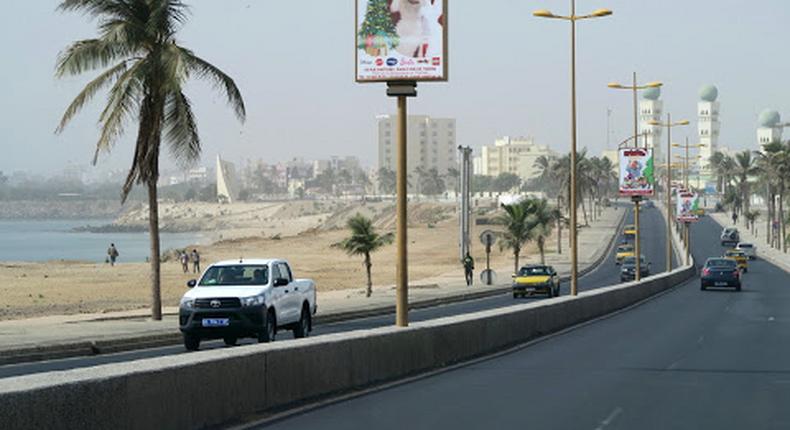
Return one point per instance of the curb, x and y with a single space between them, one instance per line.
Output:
91 348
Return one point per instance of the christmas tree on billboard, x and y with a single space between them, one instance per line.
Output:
377 33
649 172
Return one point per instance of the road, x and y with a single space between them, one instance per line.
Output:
688 359
653 247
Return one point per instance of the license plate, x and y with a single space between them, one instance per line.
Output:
216 322
720 284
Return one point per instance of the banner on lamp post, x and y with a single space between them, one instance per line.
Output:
401 40
637 174
687 207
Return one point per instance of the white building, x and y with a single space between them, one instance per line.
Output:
513 155
769 127
227 182
651 109
431 143
708 126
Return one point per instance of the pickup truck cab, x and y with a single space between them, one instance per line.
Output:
246 298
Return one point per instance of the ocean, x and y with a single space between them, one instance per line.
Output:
45 240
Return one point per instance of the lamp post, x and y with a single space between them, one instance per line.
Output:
686 159
636 199
669 125
598 13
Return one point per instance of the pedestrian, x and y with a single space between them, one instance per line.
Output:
734 217
113 254
469 267
195 261
184 261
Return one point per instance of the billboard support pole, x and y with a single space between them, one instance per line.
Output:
688 244
402 90
637 251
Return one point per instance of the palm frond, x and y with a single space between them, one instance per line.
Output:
89 54
219 79
181 132
89 91
122 101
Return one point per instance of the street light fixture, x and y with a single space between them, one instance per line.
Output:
543 13
636 199
669 125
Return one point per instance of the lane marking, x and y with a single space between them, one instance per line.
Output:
612 416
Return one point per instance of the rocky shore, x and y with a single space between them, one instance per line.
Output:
60 209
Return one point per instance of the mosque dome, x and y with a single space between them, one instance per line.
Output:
652 93
709 93
769 118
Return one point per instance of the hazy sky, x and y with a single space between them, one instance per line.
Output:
293 61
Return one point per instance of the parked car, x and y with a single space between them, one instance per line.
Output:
536 279
749 249
246 298
628 269
624 250
720 272
730 236
739 257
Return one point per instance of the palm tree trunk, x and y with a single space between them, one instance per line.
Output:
769 215
541 246
559 224
153 228
584 211
515 254
368 265
782 235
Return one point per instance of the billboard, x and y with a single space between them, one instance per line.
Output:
688 207
636 172
401 40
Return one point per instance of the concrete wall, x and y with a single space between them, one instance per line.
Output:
214 387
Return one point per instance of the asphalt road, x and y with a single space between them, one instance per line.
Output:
688 359
653 247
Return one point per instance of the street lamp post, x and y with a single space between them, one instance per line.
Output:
636 199
543 13
686 170
669 124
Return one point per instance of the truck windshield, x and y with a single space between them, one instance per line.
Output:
239 275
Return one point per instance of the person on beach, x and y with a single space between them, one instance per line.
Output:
112 253
195 261
469 267
184 261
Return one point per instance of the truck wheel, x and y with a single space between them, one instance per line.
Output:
230 340
191 342
302 328
269 329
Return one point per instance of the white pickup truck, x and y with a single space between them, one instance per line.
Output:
246 298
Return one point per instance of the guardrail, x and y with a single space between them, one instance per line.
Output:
209 388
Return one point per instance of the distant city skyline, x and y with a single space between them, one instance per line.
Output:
508 76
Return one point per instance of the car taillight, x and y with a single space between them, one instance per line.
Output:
705 272
737 273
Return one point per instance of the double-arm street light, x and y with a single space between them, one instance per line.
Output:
669 125
686 159
543 13
636 199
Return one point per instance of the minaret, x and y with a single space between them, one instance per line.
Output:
768 127
708 126
650 109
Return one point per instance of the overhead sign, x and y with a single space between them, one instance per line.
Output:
636 172
687 207
401 40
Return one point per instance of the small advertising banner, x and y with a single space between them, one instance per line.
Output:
688 207
401 40
636 172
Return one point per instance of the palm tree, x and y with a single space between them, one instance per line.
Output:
516 228
745 167
751 216
364 241
147 71
715 161
541 221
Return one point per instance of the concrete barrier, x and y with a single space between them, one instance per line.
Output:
211 388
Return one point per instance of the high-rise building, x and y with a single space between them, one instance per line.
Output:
513 155
651 109
708 126
769 127
431 144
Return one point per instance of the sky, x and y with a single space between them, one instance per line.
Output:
509 75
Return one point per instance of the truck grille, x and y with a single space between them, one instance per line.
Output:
224 303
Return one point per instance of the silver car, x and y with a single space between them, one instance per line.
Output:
749 249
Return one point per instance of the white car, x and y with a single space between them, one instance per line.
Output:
246 298
749 249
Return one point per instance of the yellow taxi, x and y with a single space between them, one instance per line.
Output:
623 251
536 279
740 257
629 230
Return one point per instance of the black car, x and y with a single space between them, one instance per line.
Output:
628 269
720 272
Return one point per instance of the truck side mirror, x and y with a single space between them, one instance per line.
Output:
280 282
191 283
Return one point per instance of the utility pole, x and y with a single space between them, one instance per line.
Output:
465 210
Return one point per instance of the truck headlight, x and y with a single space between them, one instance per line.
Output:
252 301
187 303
